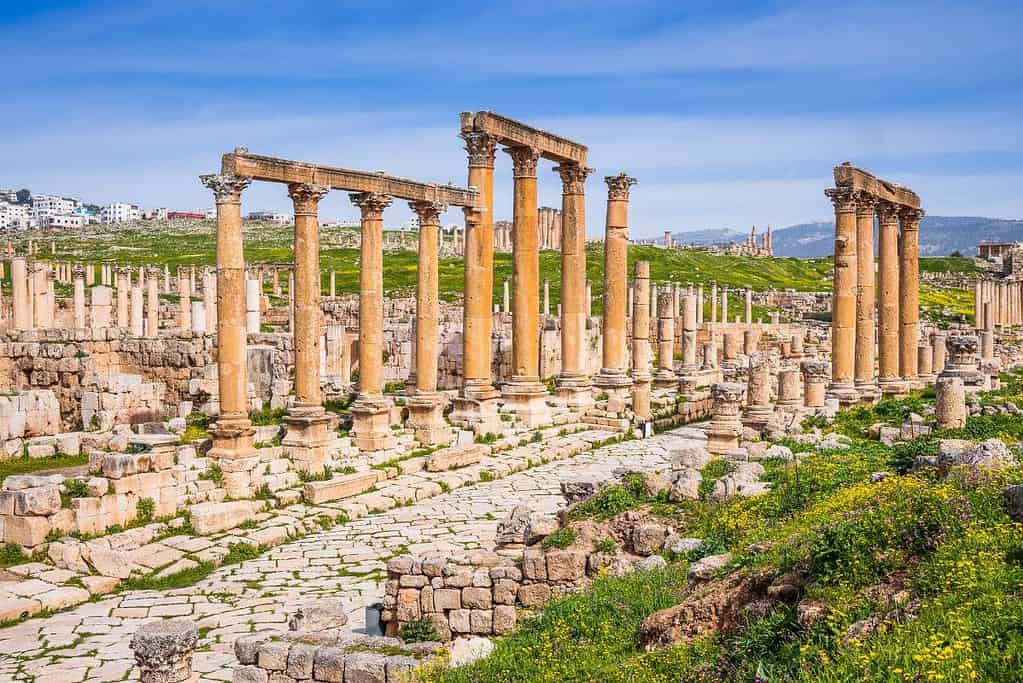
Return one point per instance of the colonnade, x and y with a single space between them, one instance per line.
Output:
997 304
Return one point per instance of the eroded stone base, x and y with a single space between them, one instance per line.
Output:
527 400
371 424
426 419
306 440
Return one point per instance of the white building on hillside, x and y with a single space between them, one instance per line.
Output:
46 206
73 221
15 217
278 217
121 213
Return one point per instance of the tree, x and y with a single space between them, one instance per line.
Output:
956 254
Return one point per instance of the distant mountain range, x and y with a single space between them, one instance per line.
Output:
939 236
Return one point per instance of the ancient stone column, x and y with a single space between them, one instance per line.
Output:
641 341
90 274
843 298
889 377
962 361
546 297
122 276
710 356
524 394
19 290
477 404
725 426
78 275
573 383
758 392
153 303
136 317
613 378
938 352
909 292
426 405
714 302
724 305
199 317
233 433
699 305
209 299
789 399
689 331
950 403
505 296
815 378
252 312
749 306
163 650
866 386
665 375
731 345
987 344
99 309
371 425
924 359
333 284
750 339
184 301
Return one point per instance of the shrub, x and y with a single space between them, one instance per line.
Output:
606 503
144 510
418 631
213 473
562 538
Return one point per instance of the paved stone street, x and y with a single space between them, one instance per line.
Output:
91 642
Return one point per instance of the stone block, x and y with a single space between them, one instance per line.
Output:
505 618
273 656
329 664
459 621
534 565
28 532
365 667
211 518
117 465
408 605
300 661
344 486
246 647
565 565
476 598
447 599
246 673
450 458
534 595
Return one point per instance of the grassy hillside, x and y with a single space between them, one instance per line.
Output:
176 244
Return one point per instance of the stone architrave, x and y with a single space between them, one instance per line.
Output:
477 404
524 394
371 411
815 379
889 379
641 377
426 405
909 292
613 377
843 298
232 433
79 296
153 302
950 403
725 425
866 385
573 382
759 409
665 375
307 436
19 290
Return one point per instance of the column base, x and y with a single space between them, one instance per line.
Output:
723 437
665 379
913 383
233 452
789 405
307 437
426 418
868 391
371 424
575 391
526 398
476 408
758 416
844 392
616 383
892 386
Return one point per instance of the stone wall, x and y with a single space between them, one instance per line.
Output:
27 414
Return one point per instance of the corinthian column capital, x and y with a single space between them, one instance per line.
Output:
482 148
428 212
865 203
618 186
524 161
227 187
844 198
573 177
306 196
372 204
887 212
909 218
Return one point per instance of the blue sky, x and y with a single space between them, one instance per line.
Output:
729 114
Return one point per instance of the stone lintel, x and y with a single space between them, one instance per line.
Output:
275 170
847 175
516 134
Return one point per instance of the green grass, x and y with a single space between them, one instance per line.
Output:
26 465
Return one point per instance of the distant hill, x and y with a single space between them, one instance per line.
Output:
939 236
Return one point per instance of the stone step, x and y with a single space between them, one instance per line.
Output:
345 486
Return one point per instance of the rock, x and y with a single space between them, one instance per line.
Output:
648 538
809 613
889 435
324 614
513 528
1013 500
780 452
987 454
682 546
787 587
834 441
706 568
686 486
691 457
654 483
468 650
651 563
365 667
36 501
880 476
163 650
579 489
540 525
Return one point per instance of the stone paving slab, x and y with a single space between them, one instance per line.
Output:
90 642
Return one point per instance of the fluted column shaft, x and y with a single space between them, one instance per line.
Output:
888 297
909 291
427 293
843 300
573 272
305 198
371 292
525 269
479 267
865 299
616 257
